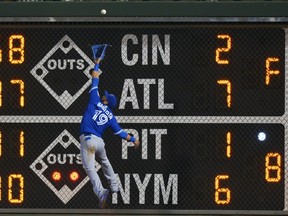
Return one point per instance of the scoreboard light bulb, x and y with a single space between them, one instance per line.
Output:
56 176
74 176
261 136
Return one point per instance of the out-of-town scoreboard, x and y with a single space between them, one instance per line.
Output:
206 97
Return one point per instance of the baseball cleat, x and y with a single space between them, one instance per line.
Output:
103 198
114 189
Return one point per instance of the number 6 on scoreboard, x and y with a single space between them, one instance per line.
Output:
224 191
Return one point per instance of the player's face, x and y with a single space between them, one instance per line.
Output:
104 99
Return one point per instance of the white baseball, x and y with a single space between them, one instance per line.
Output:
261 136
103 11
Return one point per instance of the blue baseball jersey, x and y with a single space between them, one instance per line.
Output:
98 117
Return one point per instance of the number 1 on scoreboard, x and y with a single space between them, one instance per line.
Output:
21 144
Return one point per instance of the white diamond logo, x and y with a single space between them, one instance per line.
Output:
39 166
65 46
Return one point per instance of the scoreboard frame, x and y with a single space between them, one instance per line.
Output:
173 12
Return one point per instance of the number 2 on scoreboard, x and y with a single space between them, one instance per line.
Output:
223 49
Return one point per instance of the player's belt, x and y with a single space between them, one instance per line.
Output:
89 134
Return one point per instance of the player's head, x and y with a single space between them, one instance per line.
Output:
110 100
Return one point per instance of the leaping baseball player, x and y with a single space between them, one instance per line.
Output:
98 117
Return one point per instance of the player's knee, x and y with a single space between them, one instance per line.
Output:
105 161
88 168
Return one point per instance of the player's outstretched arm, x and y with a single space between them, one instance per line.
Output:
135 141
123 134
129 137
137 144
96 72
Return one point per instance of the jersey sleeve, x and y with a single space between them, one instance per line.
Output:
115 126
94 94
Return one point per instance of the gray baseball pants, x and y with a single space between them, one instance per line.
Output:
92 146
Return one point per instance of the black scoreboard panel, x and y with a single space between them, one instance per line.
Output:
179 166
212 72
217 70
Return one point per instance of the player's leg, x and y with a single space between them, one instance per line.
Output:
107 169
88 161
